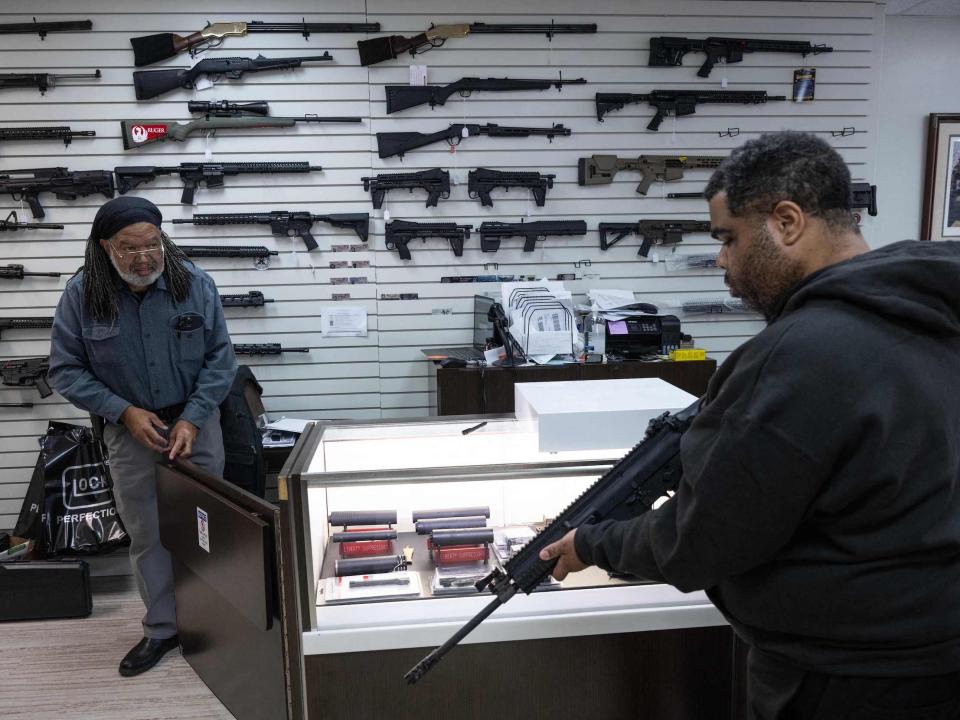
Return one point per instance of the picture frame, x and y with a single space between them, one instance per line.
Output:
940 219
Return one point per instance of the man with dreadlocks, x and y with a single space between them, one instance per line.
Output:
139 339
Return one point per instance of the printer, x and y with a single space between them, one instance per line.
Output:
640 335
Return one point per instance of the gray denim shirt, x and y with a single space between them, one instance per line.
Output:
156 354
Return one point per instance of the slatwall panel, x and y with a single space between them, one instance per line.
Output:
384 374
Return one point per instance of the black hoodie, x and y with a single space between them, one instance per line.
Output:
820 500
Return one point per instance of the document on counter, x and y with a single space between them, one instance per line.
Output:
345 321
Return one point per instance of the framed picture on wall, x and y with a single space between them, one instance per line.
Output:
941 192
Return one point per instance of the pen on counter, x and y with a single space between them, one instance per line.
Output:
467 431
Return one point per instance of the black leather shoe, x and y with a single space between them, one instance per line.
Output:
145 654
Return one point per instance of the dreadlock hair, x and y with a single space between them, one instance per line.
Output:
100 278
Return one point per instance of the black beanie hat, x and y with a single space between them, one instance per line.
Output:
121 212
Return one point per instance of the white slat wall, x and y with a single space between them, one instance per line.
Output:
384 375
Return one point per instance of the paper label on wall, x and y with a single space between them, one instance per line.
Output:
418 74
203 530
346 321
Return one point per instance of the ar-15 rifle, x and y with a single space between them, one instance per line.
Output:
402 97
436 182
150 83
661 232
864 196
389 47
482 180
265 349
24 323
16 272
217 116
601 169
253 298
400 232
61 132
149 49
41 81
287 223
27 185
193 173
398 143
42 28
680 102
29 372
13 223
627 490
491 232
237 251
668 51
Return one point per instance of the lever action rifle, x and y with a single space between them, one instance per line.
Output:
627 490
42 28
668 51
253 298
41 81
150 83
149 49
660 232
27 185
482 180
436 182
265 349
211 174
402 97
601 169
389 47
29 372
492 232
400 232
13 223
679 102
398 143
217 115
61 132
287 223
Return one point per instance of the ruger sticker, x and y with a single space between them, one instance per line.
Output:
146 133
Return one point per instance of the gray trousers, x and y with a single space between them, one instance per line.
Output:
132 467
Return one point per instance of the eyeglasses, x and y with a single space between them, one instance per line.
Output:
127 251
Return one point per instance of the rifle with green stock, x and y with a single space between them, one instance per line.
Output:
601 169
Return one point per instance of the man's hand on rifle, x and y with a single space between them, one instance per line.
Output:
568 560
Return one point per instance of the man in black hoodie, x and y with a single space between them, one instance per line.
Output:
820 499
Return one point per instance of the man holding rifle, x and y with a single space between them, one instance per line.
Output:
820 500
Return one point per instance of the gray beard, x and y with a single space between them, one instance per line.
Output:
134 279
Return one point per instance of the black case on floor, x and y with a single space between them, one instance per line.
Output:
42 590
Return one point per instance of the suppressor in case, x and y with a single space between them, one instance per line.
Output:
363 517
469 536
359 535
451 512
425 527
369 565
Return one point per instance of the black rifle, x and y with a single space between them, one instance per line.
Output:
668 51
402 97
287 223
436 182
16 272
29 372
400 232
17 405
42 28
601 169
864 196
237 251
149 49
686 196
24 323
61 132
679 102
491 233
13 223
627 490
389 47
253 298
211 174
41 81
265 349
150 83
661 232
481 181
398 143
27 185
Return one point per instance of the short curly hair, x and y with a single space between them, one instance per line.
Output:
788 165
